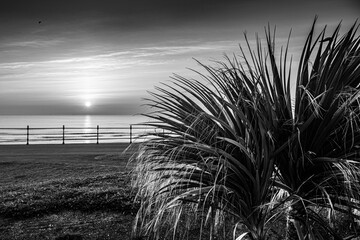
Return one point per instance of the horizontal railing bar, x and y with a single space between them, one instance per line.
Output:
60 128
94 128
12 128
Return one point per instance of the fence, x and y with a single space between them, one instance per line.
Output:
63 135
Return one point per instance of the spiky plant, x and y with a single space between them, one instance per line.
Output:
319 160
232 143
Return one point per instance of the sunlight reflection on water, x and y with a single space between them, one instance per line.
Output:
87 125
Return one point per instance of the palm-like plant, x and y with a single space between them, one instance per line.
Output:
319 161
214 156
233 142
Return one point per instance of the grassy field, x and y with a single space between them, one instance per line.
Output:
65 192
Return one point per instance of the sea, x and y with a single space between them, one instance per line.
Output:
63 129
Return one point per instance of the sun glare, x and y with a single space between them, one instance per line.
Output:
88 104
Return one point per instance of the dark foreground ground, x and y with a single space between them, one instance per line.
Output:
69 192
79 191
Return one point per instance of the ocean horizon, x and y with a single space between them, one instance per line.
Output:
49 129
52 121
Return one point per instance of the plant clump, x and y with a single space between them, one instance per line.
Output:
241 156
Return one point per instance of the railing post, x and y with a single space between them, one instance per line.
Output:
130 133
63 138
27 135
97 134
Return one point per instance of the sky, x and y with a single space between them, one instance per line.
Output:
101 57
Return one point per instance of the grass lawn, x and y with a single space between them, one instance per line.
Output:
68 192
65 192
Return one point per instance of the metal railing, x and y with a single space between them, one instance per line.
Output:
63 135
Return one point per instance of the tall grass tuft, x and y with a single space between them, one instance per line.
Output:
318 161
237 156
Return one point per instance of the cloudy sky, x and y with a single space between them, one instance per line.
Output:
100 57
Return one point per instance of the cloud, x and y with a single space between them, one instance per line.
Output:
34 43
181 50
133 57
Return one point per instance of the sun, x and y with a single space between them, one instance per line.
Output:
88 104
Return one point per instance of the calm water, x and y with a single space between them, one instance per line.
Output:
51 121
78 128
